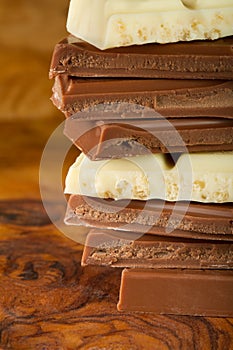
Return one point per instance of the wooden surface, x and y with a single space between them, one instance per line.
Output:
47 301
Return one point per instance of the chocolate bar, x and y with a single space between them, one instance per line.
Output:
178 292
193 177
109 139
193 60
121 249
169 98
180 219
111 23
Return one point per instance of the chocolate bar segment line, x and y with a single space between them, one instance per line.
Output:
116 249
193 60
177 292
109 139
166 97
199 221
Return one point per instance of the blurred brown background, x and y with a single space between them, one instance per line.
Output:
29 29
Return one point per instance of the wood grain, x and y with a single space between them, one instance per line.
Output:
47 301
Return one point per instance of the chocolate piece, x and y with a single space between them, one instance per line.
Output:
170 98
109 139
178 292
193 60
111 23
186 177
114 248
181 219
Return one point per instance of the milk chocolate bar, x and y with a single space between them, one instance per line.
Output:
116 249
178 292
169 98
126 138
193 60
180 219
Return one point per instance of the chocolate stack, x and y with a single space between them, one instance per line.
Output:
154 122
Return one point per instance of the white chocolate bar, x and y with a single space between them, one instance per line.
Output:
202 177
114 23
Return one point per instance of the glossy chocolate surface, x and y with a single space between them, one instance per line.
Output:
177 292
102 99
112 139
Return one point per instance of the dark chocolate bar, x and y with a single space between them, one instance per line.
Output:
178 292
109 139
192 60
169 98
181 219
118 249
